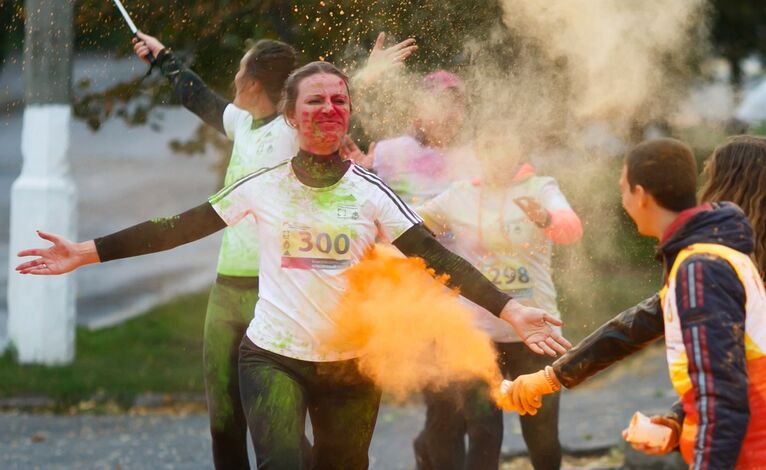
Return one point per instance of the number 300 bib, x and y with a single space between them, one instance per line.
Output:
305 247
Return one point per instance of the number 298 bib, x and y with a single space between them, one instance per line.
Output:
308 247
510 277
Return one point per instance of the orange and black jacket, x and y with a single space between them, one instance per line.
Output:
722 364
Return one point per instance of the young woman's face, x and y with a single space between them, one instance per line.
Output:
322 113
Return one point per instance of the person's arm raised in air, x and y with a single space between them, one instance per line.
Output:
190 89
197 97
383 59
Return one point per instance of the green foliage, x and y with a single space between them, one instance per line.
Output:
157 352
738 31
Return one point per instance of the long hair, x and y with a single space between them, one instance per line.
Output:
736 172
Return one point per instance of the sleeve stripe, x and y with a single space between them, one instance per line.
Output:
408 213
692 285
397 200
699 364
699 286
215 198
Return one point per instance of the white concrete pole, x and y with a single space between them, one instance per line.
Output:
41 309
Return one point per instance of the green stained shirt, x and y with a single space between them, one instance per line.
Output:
256 145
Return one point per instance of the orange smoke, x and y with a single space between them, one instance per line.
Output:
413 332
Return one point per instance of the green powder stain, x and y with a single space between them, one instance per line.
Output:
326 199
166 222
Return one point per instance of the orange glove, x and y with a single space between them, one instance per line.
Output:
526 392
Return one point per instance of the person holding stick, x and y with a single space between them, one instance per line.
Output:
306 243
260 138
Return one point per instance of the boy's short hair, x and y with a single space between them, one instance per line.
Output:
667 170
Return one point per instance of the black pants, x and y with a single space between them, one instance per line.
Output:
466 409
278 391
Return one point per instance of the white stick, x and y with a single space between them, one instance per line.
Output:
125 15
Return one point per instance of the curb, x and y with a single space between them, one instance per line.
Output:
144 402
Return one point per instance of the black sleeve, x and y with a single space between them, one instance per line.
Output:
192 91
628 332
160 234
418 241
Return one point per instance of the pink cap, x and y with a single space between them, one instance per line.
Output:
443 80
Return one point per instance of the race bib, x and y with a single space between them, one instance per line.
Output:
305 247
510 277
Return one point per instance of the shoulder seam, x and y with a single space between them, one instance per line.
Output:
377 182
228 189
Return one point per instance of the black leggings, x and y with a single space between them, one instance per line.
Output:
466 409
278 391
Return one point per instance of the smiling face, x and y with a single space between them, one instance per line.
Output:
322 113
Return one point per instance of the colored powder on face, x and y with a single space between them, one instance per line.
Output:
412 331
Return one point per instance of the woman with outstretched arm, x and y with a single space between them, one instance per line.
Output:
260 138
306 244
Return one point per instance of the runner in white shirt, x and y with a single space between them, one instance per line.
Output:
505 224
306 209
260 138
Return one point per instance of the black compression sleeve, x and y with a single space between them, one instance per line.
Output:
160 234
625 334
192 91
418 241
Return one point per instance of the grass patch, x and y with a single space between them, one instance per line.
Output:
158 352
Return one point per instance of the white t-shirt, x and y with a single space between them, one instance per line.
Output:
496 236
254 148
309 236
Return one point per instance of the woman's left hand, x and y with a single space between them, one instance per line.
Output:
534 210
534 326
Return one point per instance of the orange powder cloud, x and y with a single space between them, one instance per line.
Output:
412 331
